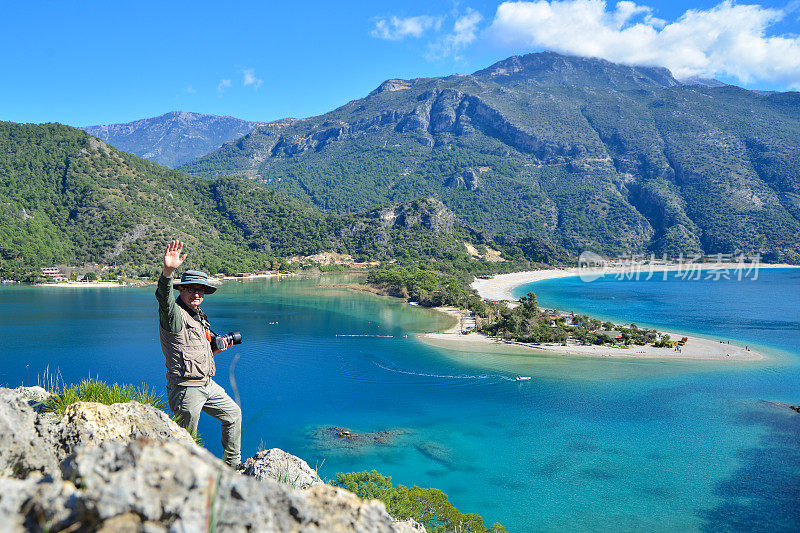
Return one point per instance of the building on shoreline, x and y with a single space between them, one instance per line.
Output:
54 272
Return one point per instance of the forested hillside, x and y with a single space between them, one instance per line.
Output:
581 152
70 198
67 197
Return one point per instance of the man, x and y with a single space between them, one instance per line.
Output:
186 342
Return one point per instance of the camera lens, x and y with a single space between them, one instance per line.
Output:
234 337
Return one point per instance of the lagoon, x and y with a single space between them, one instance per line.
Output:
587 445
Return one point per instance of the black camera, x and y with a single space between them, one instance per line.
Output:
218 341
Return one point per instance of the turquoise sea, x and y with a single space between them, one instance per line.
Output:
587 445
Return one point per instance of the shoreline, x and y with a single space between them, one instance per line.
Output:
697 347
110 284
499 287
254 276
85 284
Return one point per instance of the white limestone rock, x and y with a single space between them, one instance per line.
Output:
282 467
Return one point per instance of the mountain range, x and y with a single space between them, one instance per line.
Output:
173 138
534 155
582 152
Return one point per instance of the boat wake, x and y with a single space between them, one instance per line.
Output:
444 376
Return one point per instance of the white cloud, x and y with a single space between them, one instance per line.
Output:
250 78
190 89
397 28
627 10
465 31
728 39
223 85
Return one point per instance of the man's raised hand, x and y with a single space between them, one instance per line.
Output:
173 257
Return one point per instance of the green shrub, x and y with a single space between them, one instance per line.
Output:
90 390
428 506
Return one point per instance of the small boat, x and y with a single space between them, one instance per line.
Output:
522 378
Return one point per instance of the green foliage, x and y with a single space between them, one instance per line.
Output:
528 323
441 273
663 342
428 506
437 284
286 478
90 390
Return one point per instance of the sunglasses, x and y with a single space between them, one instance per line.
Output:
198 290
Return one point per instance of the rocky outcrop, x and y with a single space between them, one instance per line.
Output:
551 68
314 139
782 405
430 214
23 449
434 112
161 486
33 396
37 441
280 466
37 503
128 467
94 423
333 437
392 85
468 180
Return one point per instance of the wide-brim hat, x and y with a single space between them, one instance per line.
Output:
195 277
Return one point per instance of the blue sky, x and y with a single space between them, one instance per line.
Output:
84 63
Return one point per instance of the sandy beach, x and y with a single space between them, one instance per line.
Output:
256 276
696 347
82 284
500 288
107 284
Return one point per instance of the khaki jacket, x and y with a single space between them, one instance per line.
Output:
189 360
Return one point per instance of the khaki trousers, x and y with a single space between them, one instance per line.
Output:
188 402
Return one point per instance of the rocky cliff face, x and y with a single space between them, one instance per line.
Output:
430 214
128 467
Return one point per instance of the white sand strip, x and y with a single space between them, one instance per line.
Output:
499 287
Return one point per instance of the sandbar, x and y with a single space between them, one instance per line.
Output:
500 288
695 348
